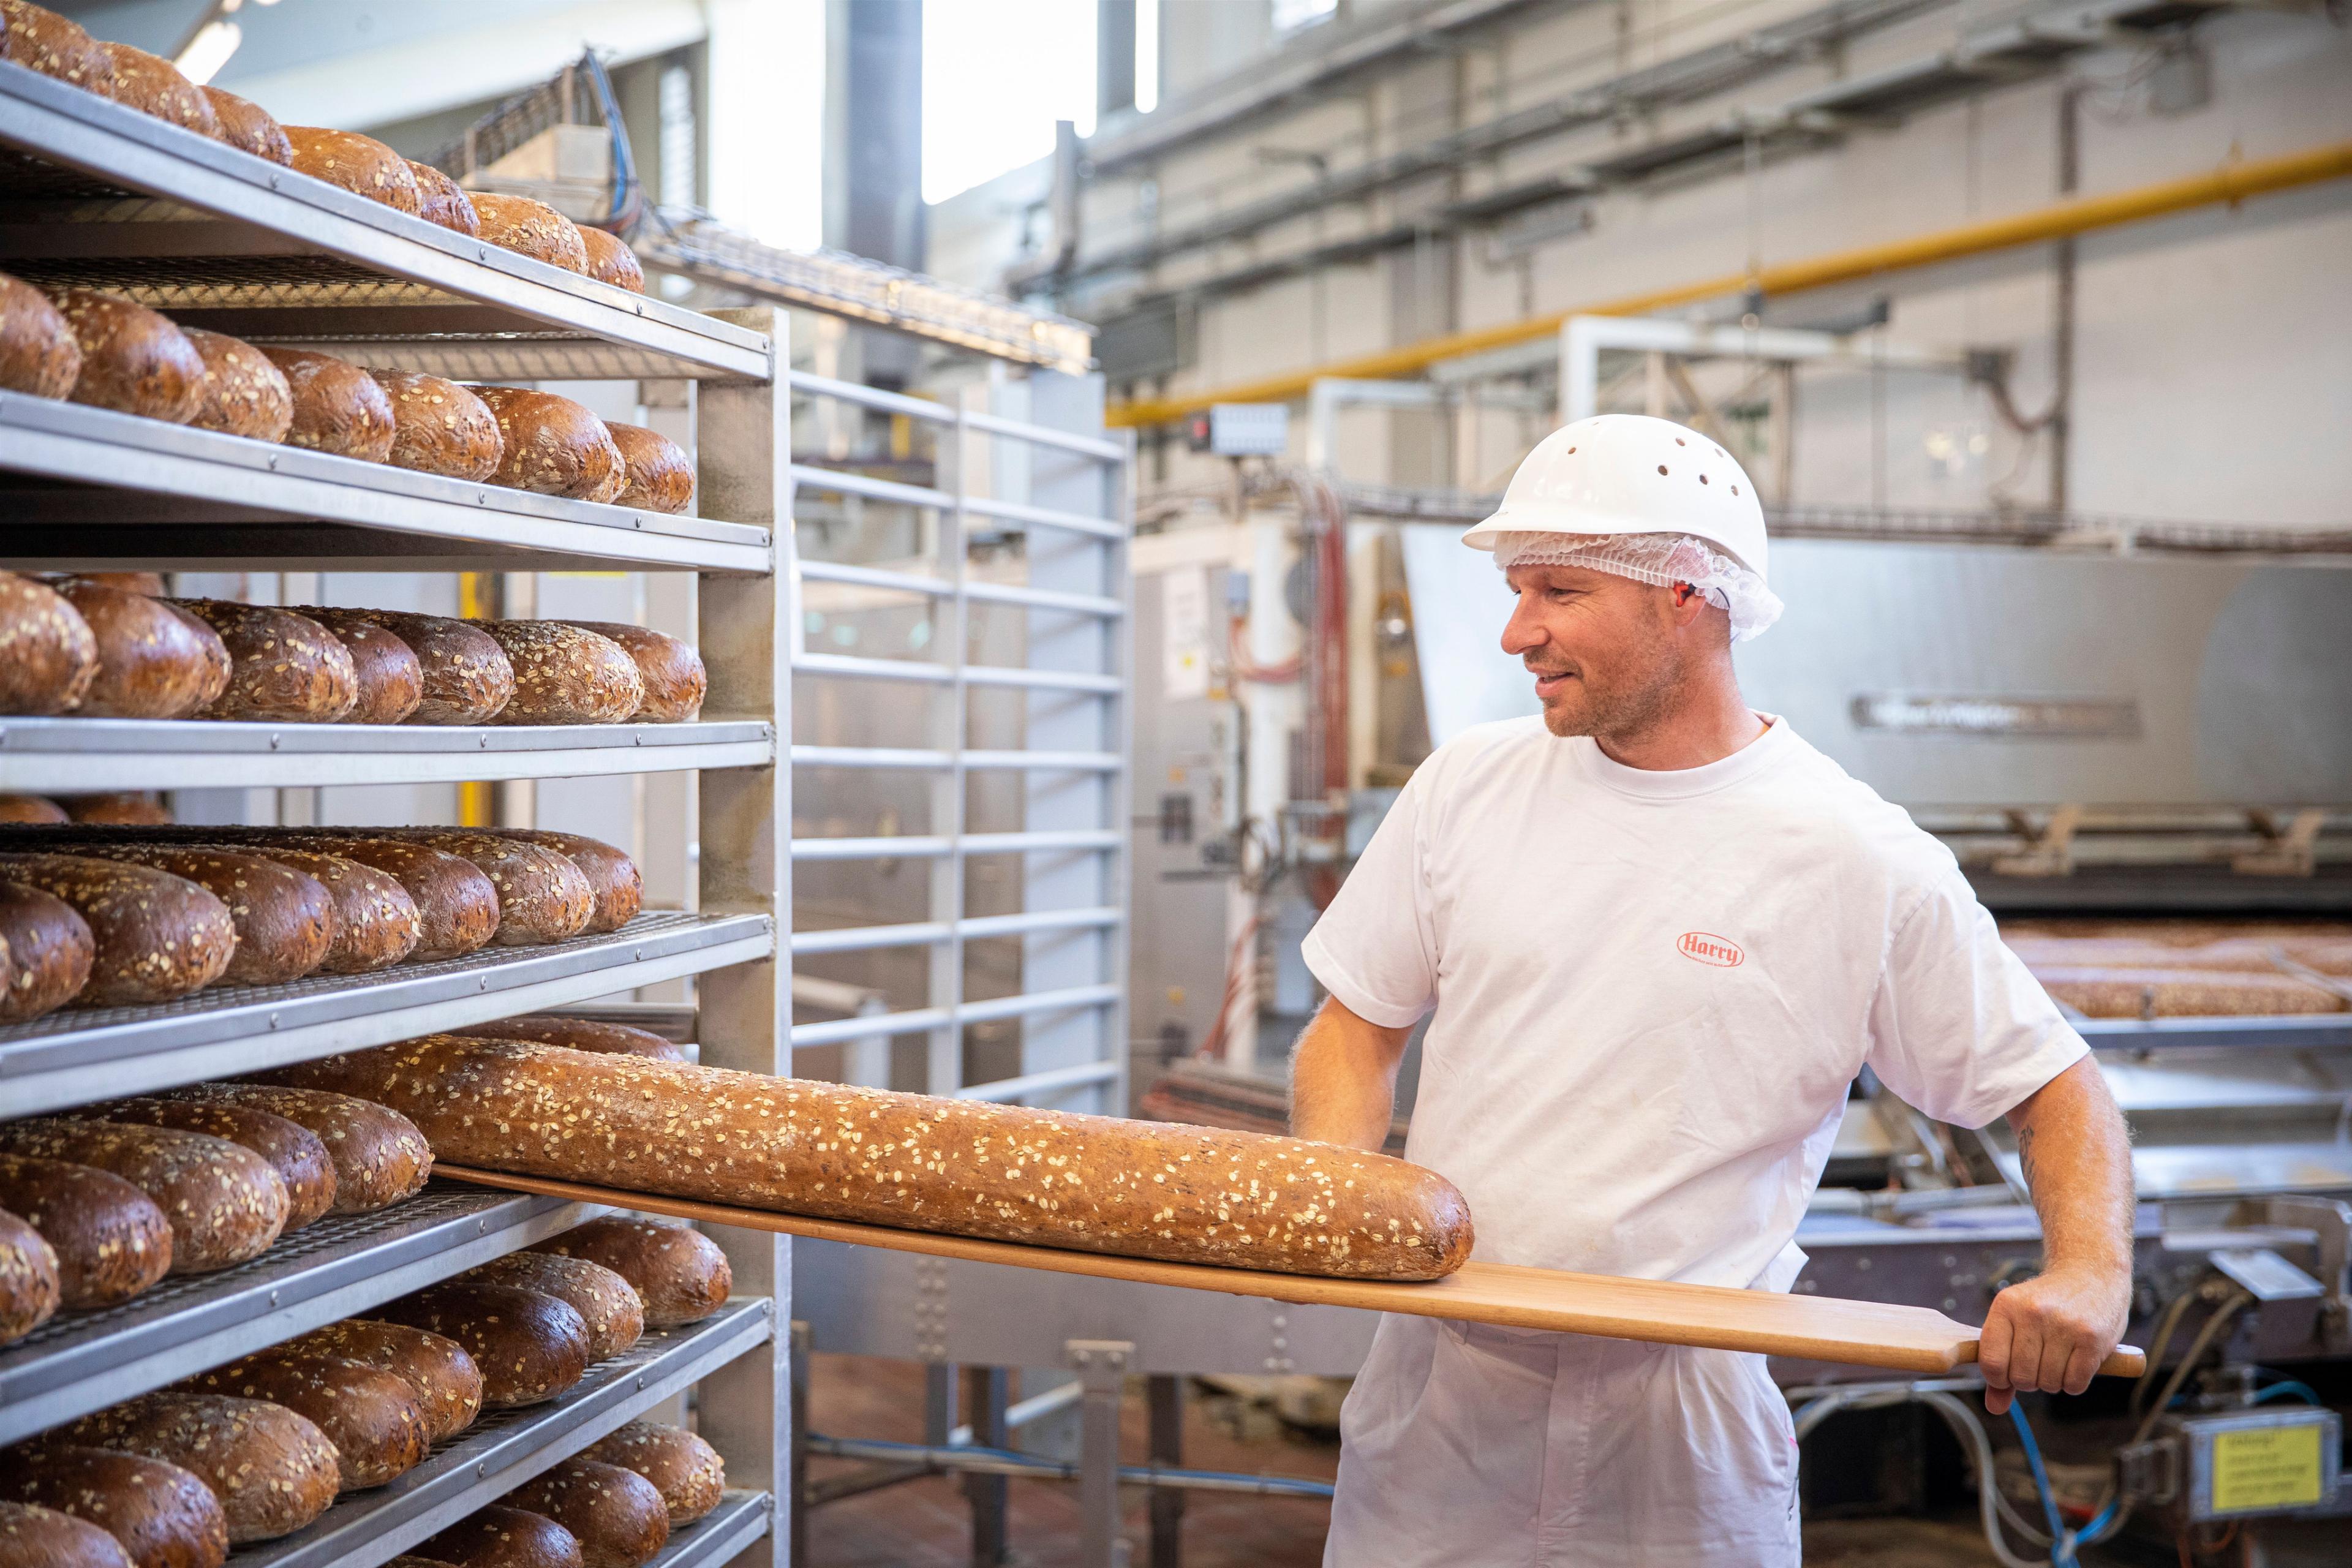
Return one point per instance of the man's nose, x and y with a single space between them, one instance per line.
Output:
1521 633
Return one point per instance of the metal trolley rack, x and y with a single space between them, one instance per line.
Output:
92 192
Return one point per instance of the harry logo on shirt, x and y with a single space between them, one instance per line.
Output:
1706 947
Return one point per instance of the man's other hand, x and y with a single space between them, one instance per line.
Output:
2051 1332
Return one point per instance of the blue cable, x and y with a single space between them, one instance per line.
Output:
2063 1543
2287 1389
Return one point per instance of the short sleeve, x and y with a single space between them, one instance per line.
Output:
1959 1027
1375 948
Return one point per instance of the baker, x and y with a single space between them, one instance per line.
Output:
1661 935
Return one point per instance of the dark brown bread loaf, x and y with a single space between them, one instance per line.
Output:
656 474
1003 1172
610 260
542 896
441 200
530 228
47 655
148 583
245 393
468 677
50 952
390 676
272 1470
246 126
456 905
376 924
153 86
361 165
123 808
501 1536
553 446
56 48
373 1418
111 1240
607 1303
29 1290
38 352
153 936
36 810
670 668
223 1203
439 427
616 1515
579 1033
215 652
284 919
294 1152
380 1156
36 1537
679 1273
154 662
160 1514
133 360
284 668
685 1470
530 1346
564 675
613 878
433 1367
338 407
2183 993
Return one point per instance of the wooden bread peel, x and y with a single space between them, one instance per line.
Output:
1813 1327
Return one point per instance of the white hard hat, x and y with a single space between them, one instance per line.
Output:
1628 473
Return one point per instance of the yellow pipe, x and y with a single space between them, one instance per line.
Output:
476 802
2233 182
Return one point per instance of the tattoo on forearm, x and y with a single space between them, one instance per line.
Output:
2025 1154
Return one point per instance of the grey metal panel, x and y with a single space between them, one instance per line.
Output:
741 1519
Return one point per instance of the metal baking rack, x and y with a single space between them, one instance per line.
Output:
740 1520
337 1267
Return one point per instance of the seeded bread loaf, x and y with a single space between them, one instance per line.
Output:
50 952
614 879
564 675
361 165
153 936
468 677
245 393
442 201
456 905
373 1418
133 360
380 1156
162 1515
553 446
37 810
294 1152
38 352
47 655
670 671
501 1536
154 662
606 1303
283 919
542 896
338 407
656 474
433 1367
156 86
246 127
2183 993
616 1515
579 1033
685 1470
223 1203
284 668
679 1273
530 1346
36 1537
28 1279
376 924
117 808
610 260
110 1239
272 1470
530 228
54 46
1188 1195
439 427
390 677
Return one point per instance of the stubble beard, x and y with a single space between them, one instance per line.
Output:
1621 706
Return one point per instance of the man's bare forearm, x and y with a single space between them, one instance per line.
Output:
1343 1078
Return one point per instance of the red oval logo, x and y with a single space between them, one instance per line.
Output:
1706 947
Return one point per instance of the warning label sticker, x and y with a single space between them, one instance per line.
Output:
2266 1467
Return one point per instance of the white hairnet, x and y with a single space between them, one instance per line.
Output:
1661 559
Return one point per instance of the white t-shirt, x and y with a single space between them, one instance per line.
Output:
1652 989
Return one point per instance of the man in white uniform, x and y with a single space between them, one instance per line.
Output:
1661 935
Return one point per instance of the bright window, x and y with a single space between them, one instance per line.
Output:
995 78
1289 16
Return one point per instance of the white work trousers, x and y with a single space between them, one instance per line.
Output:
1471 1447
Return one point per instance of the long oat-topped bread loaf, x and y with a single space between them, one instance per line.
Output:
2183 993
338 407
29 1290
133 360
155 661
248 127
437 1369
224 1202
283 668
686 1471
579 1033
468 676
530 228
112 1239
38 352
162 1516
671 672
443 201
565 674
439 427
36 1537
1049 1178
554 446
618 887
47 655
380 1156
610 260
273 1471
361 165
155 86
293 1151
245 393
155 937
40 38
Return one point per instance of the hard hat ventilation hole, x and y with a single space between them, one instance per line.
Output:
1702 479
1662 468
1571 451
1678 441
1735 489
